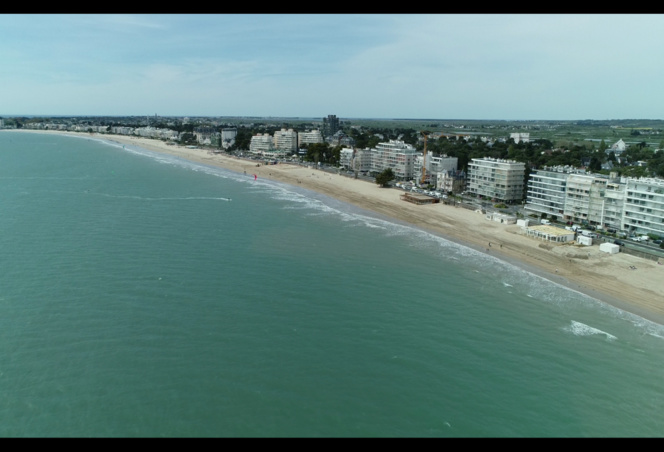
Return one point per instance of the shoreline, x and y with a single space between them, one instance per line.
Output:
602 276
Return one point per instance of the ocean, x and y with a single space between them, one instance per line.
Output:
143 295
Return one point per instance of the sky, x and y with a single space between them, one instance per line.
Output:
416 66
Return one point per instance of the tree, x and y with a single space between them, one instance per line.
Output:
383 179
603 146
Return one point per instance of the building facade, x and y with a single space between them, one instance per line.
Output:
632 205
330 125
546 191
313 136
285 140
346 158
261 143
498 179
614 204
520 137
362 160
643 211
397 155
228 136
433 166
584 198
451 181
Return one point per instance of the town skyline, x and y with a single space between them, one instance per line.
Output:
407 66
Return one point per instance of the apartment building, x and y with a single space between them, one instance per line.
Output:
330 125
261 143
397 155
633 205
285 140
614 204
584 198
361 160
546 191
502 180
643 211
520 136
346 158
313 136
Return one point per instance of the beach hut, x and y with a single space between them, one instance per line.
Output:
584 240
501 217
610 248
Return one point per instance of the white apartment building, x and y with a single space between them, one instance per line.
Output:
261 143
346 158
361 160
498 179
285 140
395 154
633 205
643 211
520 136
584 198
614 204
313 136
121 130
546 190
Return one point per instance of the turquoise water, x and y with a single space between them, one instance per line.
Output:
142 295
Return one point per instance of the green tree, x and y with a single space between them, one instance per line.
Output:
603 146
383 178
188 138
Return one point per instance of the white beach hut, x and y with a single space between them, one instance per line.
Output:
610 248
584 240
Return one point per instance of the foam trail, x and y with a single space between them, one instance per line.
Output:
581 329
163 199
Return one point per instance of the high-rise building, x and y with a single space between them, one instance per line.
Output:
633 205
261 144
313 136
643 211
285 140
330 125
397 155
546 190
497 179
584 198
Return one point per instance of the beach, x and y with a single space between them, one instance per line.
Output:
627 282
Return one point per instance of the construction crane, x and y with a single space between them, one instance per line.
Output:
425 133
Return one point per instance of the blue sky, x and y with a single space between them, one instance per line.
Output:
511 66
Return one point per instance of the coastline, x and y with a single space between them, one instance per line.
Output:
608 278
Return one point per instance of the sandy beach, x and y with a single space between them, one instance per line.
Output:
608 277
